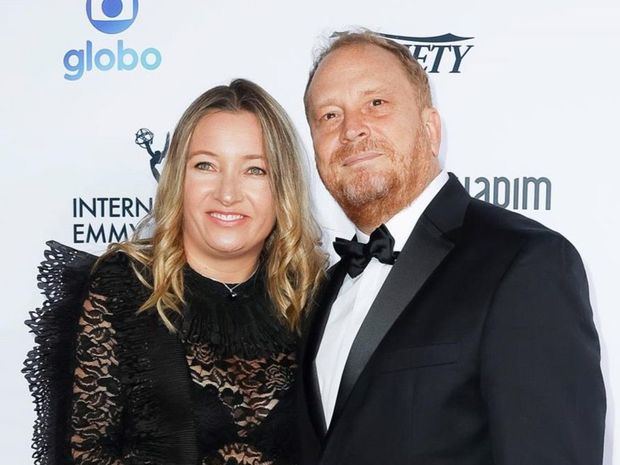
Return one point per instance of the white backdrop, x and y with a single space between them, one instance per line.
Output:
535 96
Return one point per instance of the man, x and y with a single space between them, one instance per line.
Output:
460 333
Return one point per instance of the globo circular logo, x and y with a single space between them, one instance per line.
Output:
112 16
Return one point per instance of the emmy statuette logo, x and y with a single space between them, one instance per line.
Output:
144 138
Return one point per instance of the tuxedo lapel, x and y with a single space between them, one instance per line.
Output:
315 334
426 248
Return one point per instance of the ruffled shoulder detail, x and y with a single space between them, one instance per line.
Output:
114 278
66 277
247 326
63 278
137 354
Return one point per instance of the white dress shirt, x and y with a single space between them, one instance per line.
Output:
355 297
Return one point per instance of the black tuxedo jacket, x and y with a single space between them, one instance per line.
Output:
479 349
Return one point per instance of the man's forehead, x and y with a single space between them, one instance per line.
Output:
357 56
333 88
357 62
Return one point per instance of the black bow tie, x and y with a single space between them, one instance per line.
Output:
357 255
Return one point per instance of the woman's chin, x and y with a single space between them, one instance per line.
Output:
229 248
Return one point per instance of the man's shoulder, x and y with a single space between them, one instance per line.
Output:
492 223
493 219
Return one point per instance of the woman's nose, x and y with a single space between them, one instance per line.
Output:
229 190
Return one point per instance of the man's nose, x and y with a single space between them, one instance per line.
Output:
229 189
354 128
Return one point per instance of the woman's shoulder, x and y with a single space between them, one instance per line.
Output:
114 265
119 276
64 270
67 271
66 262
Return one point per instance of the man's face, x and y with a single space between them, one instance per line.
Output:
374 147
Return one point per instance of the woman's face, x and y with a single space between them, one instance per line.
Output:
228 206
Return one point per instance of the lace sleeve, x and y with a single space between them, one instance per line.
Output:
74 369
95 429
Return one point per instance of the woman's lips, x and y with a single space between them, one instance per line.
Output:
360 157
226 219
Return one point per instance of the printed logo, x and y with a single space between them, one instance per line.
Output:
144 139
525 193
112 16
437 54
102 220
96 219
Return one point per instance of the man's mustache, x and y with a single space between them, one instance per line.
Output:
366 145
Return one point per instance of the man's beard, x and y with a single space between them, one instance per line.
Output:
370 197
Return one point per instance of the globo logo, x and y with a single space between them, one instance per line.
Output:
110 17
122 59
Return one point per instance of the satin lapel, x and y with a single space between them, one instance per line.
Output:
423 252
315 334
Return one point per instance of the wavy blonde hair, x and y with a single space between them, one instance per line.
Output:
291 254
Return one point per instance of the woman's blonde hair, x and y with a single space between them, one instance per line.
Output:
292 258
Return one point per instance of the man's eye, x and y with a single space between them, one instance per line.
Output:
255 170
328 116
377 102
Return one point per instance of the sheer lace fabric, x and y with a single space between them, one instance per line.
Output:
111 386
97 406
242 364
114 387
249 390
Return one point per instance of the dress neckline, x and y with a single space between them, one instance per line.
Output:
247 326
197 281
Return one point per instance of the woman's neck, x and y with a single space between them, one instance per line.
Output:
225 270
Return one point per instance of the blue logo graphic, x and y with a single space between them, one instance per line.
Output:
122 59
112 16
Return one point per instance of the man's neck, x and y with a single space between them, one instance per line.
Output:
424 197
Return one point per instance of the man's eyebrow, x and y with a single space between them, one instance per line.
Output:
375 90
364 93
325 102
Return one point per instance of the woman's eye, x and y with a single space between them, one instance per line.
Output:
377 102
255 170
204 165
328 116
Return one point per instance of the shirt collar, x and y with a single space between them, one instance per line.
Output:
401 224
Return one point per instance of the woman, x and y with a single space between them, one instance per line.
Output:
185 348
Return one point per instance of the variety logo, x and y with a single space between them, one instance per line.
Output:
437 53
110 17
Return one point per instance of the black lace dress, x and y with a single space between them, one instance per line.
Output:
113 387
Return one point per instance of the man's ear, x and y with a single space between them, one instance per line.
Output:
432 127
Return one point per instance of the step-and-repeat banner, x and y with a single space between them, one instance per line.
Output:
91 91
